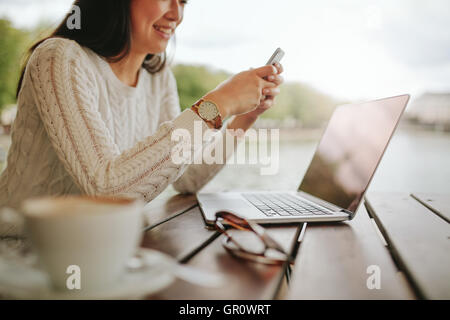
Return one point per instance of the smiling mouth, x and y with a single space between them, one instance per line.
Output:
165 30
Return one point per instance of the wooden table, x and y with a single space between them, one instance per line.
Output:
397 247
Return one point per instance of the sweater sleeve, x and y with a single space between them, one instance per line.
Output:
66 96
198 173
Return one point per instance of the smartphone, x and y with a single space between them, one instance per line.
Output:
276 57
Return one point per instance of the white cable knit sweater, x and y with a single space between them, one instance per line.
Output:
80 130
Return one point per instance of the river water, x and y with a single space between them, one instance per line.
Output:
415 161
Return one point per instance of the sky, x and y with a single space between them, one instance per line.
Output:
350 49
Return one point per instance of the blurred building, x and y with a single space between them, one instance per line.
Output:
431 110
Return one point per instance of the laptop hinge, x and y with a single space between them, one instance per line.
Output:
350 214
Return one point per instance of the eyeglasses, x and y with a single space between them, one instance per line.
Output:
264 250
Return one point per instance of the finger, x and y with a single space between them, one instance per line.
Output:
267 84
279 67
267 98
278 80
271 91
266 71
264 98
267 104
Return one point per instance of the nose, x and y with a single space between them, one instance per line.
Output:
176 12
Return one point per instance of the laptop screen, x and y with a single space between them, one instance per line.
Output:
351 149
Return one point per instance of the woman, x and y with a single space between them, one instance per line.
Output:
97 107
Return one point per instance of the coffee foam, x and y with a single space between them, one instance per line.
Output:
73 205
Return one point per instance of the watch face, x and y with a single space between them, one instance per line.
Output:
208 110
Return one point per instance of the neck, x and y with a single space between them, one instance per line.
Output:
127 69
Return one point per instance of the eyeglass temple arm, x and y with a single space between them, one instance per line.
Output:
268 240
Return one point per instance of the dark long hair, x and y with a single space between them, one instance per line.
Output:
105 29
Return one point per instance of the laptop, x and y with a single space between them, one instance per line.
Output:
337 178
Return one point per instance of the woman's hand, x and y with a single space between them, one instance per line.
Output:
269 95
243 92
245 121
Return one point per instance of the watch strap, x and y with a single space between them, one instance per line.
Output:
216 122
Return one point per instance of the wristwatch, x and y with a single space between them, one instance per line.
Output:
209 112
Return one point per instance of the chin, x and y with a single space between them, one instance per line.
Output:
161 50
157 49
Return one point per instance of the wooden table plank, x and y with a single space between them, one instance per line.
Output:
333 259
438 203
419 239
243 280
167 206
180 236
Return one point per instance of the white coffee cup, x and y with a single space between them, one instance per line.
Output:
89 237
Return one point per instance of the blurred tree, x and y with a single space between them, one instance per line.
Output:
13 44
195 81
307 105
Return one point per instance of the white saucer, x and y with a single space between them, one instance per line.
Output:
20 280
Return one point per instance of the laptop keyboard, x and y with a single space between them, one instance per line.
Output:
283 204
